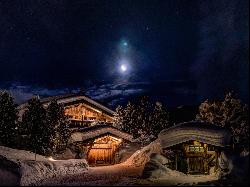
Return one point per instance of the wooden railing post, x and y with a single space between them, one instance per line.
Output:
176 162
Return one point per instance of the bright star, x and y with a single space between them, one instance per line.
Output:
125 43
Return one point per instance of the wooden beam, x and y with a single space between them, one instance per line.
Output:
176 162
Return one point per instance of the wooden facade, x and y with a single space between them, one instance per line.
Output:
79 108
102 143
82 112
194 147
103 151
194 157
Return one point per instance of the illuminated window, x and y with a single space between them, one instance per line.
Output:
195 148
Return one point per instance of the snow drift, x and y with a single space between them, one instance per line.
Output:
155 168
140 157
22 166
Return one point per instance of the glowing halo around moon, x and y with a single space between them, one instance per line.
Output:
123 62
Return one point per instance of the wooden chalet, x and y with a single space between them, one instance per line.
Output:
80 109
102 143
194 147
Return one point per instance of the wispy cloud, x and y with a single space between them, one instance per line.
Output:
22 93
113 94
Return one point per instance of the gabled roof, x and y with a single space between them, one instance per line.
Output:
68 99
98 130
194 130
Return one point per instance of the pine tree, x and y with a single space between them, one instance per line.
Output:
119 117
59 127
125 118
236 118
210 112
8 120
160 119
229 113
142 118
145 115
36 127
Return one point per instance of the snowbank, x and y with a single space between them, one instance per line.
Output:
155 168
140 157
21 164
234 169
156 172
127 150
67 154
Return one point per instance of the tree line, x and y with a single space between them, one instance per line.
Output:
41 130
145 118
46 130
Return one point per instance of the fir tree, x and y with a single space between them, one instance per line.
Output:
59 127
160 119
36 127
236 118
211 112
8 120
230 113
142 118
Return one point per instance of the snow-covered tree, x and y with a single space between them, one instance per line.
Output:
8 120
125 118
230 113
236 118
59 129
142 119
160 118
36 127
210 112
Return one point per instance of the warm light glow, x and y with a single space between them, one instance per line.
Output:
196 143
51 159
117 139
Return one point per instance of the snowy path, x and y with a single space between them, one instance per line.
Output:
122 174
103 175
188 180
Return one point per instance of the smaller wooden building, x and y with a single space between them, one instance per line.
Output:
101 143
194 147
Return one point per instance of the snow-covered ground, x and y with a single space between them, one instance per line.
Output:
188 180
140 157
24 170
21 166
45 171
126 173
129 173
120 174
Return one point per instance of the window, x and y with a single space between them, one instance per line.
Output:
195 148
211 148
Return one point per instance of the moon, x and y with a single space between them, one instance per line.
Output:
123 68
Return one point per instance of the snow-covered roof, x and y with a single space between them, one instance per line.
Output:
194 130
98 130
68 99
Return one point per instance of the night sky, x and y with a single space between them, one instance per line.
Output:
179 51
